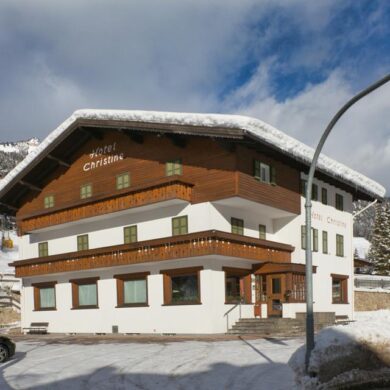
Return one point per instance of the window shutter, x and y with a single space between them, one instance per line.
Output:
273 175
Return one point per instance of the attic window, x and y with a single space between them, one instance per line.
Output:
264 172
122 181
86 191
174 167
48 201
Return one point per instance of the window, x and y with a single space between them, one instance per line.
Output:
324 242
315 240
122 181
339 202
132 289
43 249
130 234
179 225
339 288
237 285
314 192
84 293
324 196
264 172
276 285
82 242
48 201
86 191
237 226
303 187
339 245
44 296
298 292
182 286
174 167
262 232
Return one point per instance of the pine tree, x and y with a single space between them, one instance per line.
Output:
380 244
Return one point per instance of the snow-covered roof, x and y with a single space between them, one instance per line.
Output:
254 128
361 246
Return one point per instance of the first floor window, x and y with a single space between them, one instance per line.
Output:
130 234
44 296
262 232
179 225
82 242
48 201
85 293
324 242
122 181
339 245
339 288
174 167
315 240
237 285
237 226
86 191
43 249
132 289
182 286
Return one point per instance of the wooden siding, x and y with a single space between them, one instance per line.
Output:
216 172
185 246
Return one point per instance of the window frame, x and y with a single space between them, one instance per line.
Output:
262 232
340 241
339 202
314 192
315 238
324 196
343 279
88 194
175 169
75 292
49 201
43 246
120 186
129 228
78 246
120 288
325 239
257 172
235 228
245 276
179 218
37 296
168 274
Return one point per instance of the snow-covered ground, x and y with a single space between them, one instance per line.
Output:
359 351
9 255
235 364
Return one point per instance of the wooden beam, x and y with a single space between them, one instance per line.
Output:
30 185
58 160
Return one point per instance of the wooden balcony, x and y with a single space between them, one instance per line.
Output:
179 247
157 191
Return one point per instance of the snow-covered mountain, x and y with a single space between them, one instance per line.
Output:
11 153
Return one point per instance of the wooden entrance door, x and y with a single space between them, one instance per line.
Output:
276 285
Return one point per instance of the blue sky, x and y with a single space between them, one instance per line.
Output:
291 63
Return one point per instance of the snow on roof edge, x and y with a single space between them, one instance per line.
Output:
257 128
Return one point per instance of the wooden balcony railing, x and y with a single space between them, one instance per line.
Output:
178 247
167 189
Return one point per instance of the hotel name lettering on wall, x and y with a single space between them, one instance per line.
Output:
103 156
328 220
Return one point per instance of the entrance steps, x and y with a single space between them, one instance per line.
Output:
274 326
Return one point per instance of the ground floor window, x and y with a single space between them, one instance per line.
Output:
237 285
339 288
298 291
84 293
182 286
132 289
44 296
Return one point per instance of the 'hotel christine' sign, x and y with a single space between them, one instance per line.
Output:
102 156
329 220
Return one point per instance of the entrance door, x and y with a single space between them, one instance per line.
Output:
275 294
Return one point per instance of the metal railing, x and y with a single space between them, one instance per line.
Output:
238 304
372 283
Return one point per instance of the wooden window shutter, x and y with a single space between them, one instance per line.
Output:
36 298
273 175
167 289
247 289
119 291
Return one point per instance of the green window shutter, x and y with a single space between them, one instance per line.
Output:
130 234
339 202
273 175
315 240
262 232
256 169
339 245
179 225
324 196
237 226
82 242
43 249
314 192
303 187
303 237
325 242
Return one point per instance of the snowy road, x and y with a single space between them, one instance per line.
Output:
238 364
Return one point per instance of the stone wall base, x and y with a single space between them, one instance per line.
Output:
369 301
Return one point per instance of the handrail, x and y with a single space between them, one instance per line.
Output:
231 309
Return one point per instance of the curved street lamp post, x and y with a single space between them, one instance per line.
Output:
309 268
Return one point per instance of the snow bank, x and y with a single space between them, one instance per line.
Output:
351 353
254 127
